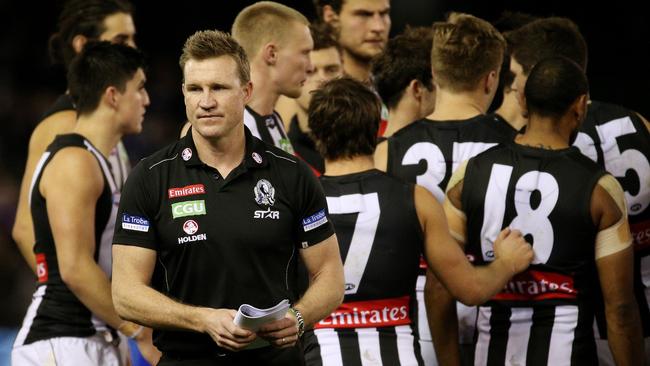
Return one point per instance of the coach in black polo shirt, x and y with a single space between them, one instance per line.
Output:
218 219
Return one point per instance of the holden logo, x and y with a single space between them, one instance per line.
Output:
190 227
186 154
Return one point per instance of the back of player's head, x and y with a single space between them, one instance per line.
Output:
207 44
264 22
344 117
323 36
465 49
553 85
99 66
545 38
406 57
82 17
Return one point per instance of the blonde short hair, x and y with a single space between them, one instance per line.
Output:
263 22
207 44
465 49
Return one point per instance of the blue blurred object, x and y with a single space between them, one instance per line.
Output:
136 356
7 336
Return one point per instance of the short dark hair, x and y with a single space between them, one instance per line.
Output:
335 4
98 66
323 36
82 17
553 85
344 118
207 44
547 37
507 21
405 58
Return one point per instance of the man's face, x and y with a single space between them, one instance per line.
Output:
119 29
214 96
293 61
133 104
519 83
326 65
363 27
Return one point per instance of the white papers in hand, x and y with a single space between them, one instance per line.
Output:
252 318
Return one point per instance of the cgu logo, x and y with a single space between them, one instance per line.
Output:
268 214
188 208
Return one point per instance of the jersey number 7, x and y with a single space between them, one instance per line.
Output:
367 205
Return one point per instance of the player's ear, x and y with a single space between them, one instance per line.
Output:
269 53
78 43
491 81
579 108
111 97
331 17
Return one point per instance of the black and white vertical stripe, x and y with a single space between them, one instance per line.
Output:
539 335
364 346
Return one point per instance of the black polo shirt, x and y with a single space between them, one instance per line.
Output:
221 242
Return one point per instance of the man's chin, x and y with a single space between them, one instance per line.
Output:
366 53
293 94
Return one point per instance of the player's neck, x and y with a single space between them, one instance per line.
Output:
400 117
264 95
511 112
100 129
223 153
360 163
303 119
355 67
456 106
544 133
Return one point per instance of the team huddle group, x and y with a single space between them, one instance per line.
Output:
449 196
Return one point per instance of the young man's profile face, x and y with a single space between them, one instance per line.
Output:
293 61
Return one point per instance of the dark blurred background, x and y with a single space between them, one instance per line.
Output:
617 32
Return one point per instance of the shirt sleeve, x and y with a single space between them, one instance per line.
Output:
136 211
312 221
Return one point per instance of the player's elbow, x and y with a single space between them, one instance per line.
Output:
471 295
622 315
72 276
20 233
338 290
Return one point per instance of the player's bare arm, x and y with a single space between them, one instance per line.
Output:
44 133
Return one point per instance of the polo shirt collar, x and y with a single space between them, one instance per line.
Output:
254 154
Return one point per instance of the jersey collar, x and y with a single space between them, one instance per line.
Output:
254 155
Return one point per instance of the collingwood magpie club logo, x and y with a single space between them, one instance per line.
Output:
264 193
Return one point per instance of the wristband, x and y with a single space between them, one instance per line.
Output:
300 320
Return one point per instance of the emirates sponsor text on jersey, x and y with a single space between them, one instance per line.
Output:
535 285
371 313
186 191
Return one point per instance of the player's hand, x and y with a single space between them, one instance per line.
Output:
219 325
512 249
281 333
